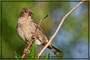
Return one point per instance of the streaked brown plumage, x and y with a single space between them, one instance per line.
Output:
26 28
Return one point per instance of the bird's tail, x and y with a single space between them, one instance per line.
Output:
55 50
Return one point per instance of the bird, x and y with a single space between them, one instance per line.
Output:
26 27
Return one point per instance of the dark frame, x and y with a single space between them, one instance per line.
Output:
46 1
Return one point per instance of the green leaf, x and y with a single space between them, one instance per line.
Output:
33 53
17 56
46 56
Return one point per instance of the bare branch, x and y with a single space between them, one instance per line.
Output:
28 48
51 39
42 19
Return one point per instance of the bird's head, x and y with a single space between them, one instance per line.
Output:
26 12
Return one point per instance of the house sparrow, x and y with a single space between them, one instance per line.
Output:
26 28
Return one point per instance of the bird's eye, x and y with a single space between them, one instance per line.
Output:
25 11
30 12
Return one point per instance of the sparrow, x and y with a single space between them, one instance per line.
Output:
26 27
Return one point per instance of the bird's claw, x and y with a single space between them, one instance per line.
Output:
26 51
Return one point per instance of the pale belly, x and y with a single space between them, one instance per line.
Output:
25 30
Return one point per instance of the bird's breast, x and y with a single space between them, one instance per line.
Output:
27 27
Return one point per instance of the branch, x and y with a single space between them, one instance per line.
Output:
51 39
28 47
42 19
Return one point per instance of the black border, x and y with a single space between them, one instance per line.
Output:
88 29
45 1
1 29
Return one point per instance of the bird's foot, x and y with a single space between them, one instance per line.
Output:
26 51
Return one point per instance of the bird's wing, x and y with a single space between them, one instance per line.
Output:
40 34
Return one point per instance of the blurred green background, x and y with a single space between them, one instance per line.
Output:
72 37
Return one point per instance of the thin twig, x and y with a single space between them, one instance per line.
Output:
51 39
28 47
42 19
